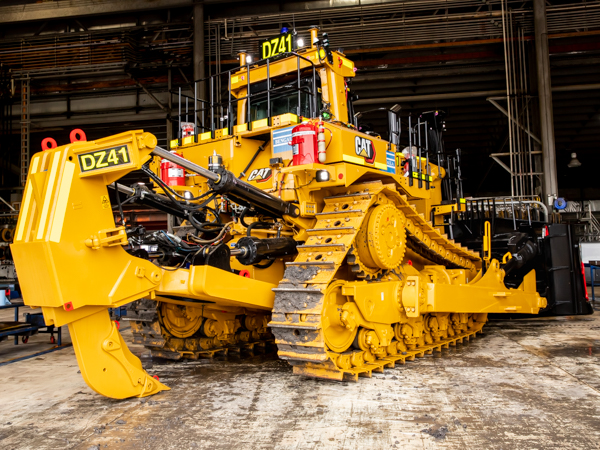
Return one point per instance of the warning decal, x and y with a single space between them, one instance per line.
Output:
105 201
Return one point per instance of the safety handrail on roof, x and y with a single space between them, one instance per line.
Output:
209 106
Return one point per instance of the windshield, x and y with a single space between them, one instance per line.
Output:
287 103
284 97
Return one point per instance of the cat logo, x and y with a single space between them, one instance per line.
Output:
365 148
260 175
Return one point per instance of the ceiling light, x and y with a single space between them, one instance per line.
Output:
300 42
248 59
574 161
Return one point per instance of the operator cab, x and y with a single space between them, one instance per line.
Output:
283 98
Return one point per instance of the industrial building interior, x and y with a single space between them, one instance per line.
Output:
517 85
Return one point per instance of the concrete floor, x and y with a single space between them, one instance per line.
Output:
522 385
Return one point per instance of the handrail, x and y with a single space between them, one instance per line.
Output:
203 105
506 202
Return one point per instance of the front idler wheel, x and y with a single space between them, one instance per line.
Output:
338 332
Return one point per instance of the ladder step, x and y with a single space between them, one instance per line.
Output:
293 325
311 263
347 212
305 290
323 247
346 196
332 230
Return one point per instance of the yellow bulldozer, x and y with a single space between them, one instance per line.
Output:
290 223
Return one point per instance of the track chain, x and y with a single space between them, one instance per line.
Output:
147 331
300 296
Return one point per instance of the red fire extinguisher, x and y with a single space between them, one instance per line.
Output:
171 173
304 144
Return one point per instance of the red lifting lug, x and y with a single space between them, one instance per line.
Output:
77 135
156 377
48 144
68 306
117 324
245 273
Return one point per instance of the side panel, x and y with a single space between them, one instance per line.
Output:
566 293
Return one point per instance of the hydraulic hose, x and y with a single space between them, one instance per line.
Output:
242 193
523 256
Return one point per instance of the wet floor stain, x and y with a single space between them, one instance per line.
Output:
571 351
518 386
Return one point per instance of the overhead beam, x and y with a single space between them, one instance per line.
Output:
59 9
434 72
96 119
62 8
461 95
576 87
426 97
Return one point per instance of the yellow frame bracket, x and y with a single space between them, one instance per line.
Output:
487 244
410 296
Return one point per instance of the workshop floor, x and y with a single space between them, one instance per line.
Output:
522 385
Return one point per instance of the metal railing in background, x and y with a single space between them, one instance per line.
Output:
515 209
500 212
525 182
581 215
207 110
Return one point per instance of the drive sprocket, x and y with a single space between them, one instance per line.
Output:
380 244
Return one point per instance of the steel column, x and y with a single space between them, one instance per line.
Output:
199 69
25 128
170 106
542 54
